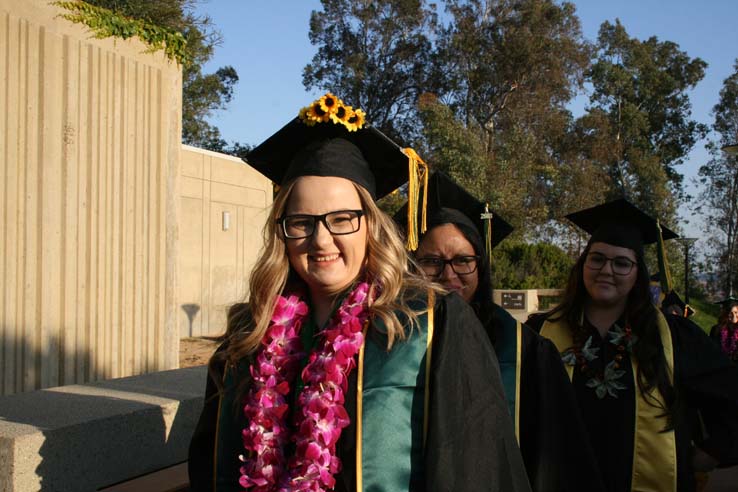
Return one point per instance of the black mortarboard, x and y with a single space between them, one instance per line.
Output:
449 203
620 223
329 138
673 299
727 301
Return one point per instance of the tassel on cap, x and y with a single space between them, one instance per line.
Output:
665 272
417 180
487 218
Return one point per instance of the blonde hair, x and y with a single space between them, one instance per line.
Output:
386 267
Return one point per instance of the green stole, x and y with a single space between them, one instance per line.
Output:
508 346
391 402
393 390
654 451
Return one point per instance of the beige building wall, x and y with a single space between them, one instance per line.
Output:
89 150
224 205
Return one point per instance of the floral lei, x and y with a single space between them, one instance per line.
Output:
603 382
729 341
319 416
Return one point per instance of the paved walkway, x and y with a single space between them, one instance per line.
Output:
196 351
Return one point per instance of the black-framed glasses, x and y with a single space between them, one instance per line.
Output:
338 223
621 265
461 265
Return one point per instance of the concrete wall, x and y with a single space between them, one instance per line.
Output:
216 254
523 303
89 153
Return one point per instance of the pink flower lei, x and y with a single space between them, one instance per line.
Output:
319 416
729 341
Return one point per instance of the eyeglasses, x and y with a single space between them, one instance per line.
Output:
338 223
461 265
620 264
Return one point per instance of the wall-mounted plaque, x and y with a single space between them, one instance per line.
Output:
514 300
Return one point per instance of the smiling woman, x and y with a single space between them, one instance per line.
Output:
659 400
609 274
346 371
330 257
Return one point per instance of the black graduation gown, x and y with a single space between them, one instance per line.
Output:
715 336
553 440
470 444
707 416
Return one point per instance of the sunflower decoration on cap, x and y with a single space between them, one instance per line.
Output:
331 109
331 138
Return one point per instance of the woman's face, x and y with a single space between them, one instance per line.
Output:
326 262
610 272
446 242
733 315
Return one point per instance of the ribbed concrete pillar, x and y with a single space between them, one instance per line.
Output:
89 160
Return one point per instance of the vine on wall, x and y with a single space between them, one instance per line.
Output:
105 23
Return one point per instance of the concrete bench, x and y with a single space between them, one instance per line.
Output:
87 437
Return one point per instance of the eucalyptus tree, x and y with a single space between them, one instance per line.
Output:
718 199
638 126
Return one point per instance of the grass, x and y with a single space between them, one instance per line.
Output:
706 313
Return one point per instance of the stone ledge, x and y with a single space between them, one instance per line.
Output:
84 437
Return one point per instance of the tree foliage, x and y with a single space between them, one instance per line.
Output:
530 266
506 70
202 94
718 200
638 126
376 56
482 90
105 23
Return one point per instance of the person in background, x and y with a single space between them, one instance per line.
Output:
674 305
725 332
455 252
345 371
641 378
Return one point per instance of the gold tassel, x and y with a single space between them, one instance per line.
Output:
487 217
417 171
663 261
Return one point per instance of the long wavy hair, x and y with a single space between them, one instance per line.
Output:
385 266
642 316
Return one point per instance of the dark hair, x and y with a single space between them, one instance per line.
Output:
481 301
726 309
642 315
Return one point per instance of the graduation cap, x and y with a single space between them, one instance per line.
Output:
673 299
727 301
449 203
620 223
330 138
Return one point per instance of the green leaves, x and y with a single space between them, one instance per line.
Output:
376 56
530 266
718 202
191 39
105 23
641 88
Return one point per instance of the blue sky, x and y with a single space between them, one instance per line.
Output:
267 43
